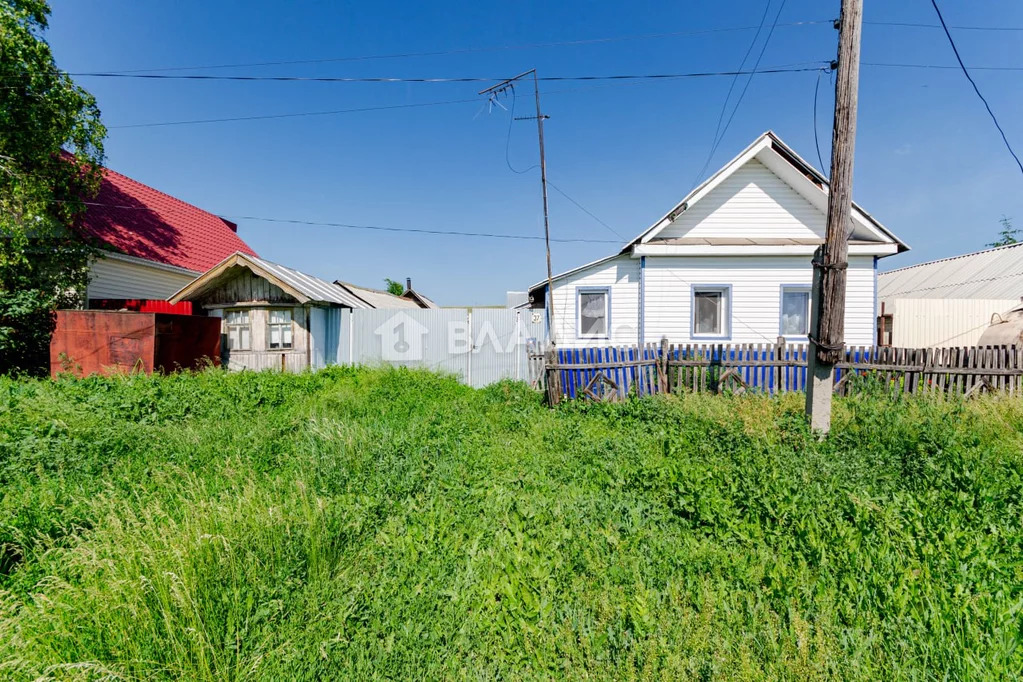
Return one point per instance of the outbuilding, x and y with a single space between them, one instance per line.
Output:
276 317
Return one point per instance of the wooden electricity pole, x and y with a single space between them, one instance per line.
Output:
494 91
831 260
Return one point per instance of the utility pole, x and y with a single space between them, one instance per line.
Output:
831 260
494 91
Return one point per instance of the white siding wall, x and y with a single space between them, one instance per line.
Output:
622 276
756 283
110 278
942 323
753 201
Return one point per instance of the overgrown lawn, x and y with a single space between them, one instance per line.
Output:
371 524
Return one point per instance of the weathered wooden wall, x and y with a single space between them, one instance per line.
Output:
245 287
294 359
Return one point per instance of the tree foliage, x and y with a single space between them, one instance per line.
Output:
1007 235
51 153
394 287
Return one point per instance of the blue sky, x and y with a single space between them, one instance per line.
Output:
930 164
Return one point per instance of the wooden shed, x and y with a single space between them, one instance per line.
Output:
109 342
275 317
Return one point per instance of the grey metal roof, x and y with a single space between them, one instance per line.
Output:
313 288
994 273
374 298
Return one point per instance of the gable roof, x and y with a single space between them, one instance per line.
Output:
136 220
422 301
995 273
779 158
302 287
783 161
375 298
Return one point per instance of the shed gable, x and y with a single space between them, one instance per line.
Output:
241 285
751 203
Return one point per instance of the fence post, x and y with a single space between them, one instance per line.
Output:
664 378
779 351
552 374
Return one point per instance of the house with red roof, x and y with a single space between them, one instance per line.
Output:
153 245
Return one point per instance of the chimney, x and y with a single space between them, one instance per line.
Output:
408 284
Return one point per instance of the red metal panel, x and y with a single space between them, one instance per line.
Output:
142 305
109 342
102 342
186 342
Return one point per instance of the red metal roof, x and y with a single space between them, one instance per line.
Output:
139 221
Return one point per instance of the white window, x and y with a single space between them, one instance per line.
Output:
711 310
594 311
279 328
795 311
239 333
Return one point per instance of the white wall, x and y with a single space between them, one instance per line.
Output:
942 323
622 275
115 278
756 283
753 201
755 297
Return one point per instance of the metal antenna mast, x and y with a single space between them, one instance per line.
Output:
494 91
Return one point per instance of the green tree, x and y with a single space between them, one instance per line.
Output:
1007 235
394 287
51 153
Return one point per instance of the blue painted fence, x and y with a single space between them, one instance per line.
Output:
615 372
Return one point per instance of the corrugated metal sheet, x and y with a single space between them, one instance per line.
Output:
478 346
993 274
376 298
316 289
942 323
500 338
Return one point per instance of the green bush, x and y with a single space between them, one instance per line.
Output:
358 523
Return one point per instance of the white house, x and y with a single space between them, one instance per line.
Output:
730 263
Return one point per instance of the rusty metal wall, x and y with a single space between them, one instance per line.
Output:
109 342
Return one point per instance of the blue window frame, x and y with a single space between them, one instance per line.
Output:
794 311
593 312
710 308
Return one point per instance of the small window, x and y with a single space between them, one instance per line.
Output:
710 310
795 311
593 313
279 328
239 336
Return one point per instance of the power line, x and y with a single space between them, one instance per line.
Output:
586 211
263 117
731 87
940 66
381 228
816 138
469 50
450 233
461 79
526 46
909 24
260 117
742 94
987 106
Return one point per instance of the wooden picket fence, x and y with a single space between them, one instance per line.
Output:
615 372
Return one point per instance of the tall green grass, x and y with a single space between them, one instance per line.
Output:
369 524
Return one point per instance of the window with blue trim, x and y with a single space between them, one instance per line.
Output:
795 311
593 313
711 310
